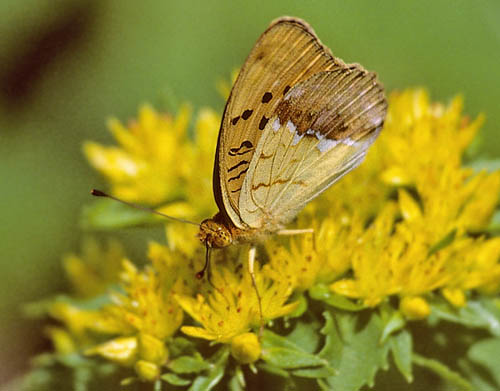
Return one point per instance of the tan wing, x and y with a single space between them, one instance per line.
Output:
321 130
286 53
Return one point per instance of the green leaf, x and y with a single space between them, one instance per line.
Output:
301 308
352 347
487 353
489 165
181 346
273 370
443 371
284 353
188 364
402 348
215 373
444 242
128 381
315 373
321 292
305 336
290 358
494 226
175 380
394 323
483 313
479 377
104 214
237 381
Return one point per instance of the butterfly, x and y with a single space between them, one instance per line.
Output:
296 121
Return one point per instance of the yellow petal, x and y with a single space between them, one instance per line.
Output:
61 339
122 350
409 207
395 176
346 287
198 332
455 296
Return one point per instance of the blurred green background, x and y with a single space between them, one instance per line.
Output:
66 66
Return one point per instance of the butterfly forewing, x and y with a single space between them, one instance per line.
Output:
296 121
287 53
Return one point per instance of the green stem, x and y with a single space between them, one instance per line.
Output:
442 370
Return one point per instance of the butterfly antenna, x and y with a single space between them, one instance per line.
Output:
99 193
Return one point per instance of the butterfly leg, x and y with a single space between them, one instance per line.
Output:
251 263
289 232
295 231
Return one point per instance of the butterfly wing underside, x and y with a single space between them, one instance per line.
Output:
296 121
320 131
287 53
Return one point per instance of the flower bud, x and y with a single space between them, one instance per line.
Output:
146 370
414 307
245 348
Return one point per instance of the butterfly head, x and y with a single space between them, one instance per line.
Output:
214 234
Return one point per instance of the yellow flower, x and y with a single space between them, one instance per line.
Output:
147 313
419 135
429 247
148 305
92 272
321 257
232 308
157 162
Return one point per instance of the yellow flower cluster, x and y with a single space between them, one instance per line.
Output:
402 221
399 225
158 163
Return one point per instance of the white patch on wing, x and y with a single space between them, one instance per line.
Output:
291 126
276 124
326 144
297 138
349 141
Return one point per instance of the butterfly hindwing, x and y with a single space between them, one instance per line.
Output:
287 53
319 132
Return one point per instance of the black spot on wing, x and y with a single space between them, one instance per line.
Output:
263 122
267 97
246 114
234 121
287 88
245 147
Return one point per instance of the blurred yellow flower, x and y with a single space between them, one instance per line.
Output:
158 163
92 272
147 313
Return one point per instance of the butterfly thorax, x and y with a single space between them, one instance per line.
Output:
218 232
